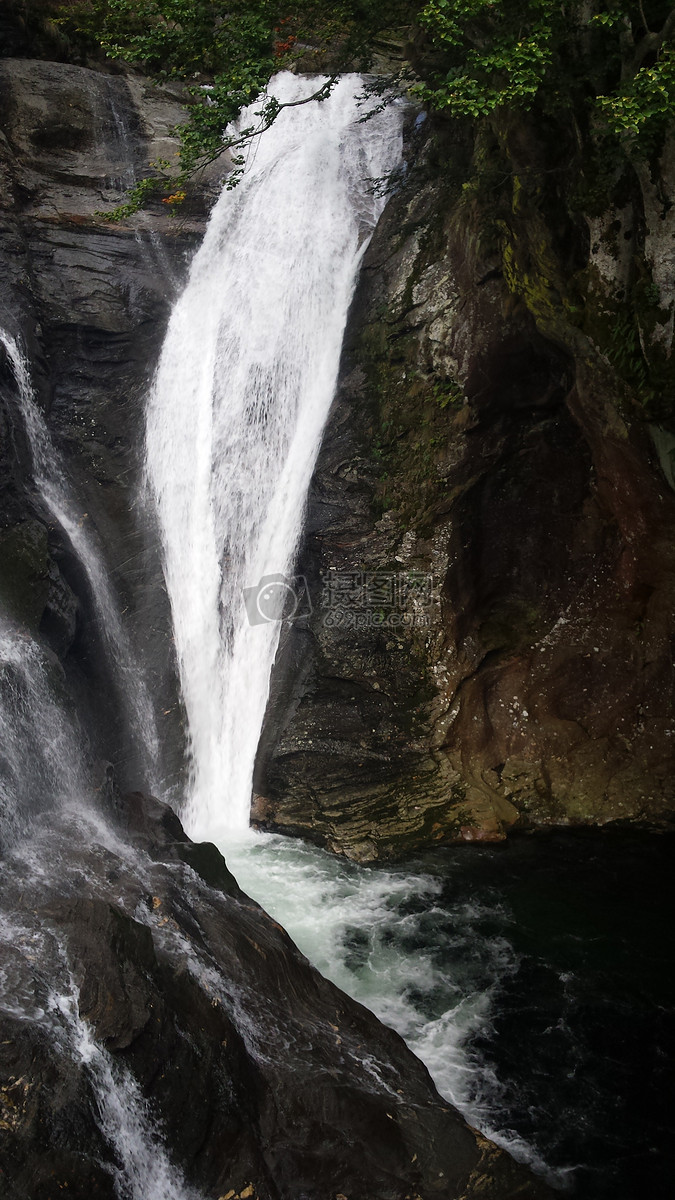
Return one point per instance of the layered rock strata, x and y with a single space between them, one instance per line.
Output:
493 433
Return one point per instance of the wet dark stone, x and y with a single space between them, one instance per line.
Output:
257 1071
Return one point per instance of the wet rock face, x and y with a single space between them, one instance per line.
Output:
155 984
88 302
479 437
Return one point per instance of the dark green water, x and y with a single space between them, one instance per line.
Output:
582 1034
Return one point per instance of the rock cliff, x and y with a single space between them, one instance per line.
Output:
88 301
493 432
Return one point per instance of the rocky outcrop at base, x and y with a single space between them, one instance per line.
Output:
163 1034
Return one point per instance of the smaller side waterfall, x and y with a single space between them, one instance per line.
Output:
59 502
40 754
38 988
145 1171
245 381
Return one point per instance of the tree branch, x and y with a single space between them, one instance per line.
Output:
246 136
651 43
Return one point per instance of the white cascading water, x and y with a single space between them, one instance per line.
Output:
40 760
244 385
145 1171
37 986
59 501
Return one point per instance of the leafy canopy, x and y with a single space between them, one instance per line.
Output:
613 59
613 56
226 51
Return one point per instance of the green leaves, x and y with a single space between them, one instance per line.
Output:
610 61
225 51
617 61
501 51
639 112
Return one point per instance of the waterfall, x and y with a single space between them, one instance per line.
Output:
242 392
40 753
38 987
145 1171
57 497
